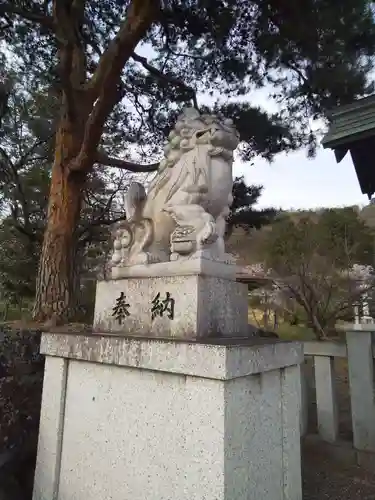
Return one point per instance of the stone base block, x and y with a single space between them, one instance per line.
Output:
142 419
193 306
200 264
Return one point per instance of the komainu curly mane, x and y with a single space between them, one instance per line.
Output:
188 199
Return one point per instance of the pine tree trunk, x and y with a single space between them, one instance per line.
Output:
57 295
80 129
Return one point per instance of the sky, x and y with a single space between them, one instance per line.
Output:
295 182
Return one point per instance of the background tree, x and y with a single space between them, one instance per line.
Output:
314 55
243 212
315 258
26 154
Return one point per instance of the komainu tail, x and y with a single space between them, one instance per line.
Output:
134 201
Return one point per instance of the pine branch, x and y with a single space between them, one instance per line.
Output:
164 77
104 88
68 19
26 156
139 18
38 17
104 159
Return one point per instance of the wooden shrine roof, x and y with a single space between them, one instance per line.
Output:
352 128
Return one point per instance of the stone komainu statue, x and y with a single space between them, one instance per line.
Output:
188 201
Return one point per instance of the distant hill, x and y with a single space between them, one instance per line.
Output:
246 245
367 214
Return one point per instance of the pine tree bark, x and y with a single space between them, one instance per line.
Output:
86 106
56 298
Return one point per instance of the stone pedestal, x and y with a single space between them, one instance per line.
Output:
188 299
143 419
360 346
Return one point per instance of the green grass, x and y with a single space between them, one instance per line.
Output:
286 331
293 332
15 313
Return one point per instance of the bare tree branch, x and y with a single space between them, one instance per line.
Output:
354 296
104 159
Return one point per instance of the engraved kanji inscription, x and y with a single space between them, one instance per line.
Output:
121 309
162 306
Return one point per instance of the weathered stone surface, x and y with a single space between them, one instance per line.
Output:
21 379
198 266
204 306
188 200
221 359
359 340
149 418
